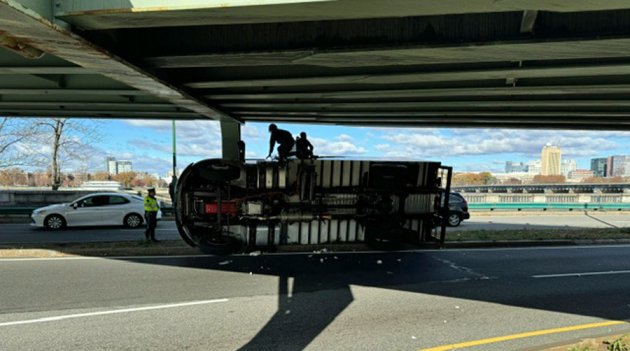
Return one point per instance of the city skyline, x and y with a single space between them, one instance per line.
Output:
147 144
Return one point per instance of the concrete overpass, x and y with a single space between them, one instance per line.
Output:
452 63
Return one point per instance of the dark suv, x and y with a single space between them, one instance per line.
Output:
458 209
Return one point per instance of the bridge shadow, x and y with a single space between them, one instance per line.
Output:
314 289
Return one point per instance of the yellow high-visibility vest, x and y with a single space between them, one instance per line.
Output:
150 204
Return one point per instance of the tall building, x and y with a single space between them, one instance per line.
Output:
619 166
124 166
568 166
550 160
598 166
515 167
115 167
111 166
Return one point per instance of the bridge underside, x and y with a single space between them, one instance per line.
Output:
458 63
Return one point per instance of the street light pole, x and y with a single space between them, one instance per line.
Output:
174 151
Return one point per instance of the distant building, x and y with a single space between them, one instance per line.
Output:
580 174
515 167
111 166
598 166
533 167
124 166
568 166
618 166
116 167
550 160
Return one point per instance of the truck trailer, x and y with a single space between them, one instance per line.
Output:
225 206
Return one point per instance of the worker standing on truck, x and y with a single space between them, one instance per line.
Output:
283 138
303 147
151 208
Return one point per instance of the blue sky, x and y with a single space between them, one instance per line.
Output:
147 143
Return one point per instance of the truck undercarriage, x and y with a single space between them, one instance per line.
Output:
225 206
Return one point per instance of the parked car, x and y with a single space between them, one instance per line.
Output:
93 210
458 209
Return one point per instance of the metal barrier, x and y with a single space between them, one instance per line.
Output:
549 206
16 210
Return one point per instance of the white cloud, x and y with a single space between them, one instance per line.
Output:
250 131
336 147
417 143
345 137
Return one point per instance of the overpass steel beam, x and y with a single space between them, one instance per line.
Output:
436 106
482 52
99 113
506 74
37 31
96 14
72 92
507 91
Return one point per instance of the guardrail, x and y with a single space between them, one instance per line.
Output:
16 210
550 206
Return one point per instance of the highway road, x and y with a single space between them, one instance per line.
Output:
25 234
334 301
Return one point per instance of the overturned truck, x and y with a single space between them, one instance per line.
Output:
225 206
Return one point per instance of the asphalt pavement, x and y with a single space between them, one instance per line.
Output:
166 230
332 301
26 234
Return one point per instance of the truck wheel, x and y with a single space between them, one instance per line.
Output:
220 246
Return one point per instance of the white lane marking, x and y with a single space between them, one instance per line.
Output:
97 258
101 313
579 274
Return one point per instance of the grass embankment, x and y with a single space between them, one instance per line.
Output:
540 234
608 343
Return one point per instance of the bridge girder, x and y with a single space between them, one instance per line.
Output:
454 63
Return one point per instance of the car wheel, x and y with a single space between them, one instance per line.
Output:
54 222
132 220
454 219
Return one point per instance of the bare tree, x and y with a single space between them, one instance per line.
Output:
16 139
70 139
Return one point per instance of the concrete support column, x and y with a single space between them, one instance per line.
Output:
230 136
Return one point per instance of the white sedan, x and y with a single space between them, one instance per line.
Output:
92 210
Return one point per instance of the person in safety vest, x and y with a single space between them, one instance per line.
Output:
151 208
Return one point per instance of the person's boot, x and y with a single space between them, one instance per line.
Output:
155 240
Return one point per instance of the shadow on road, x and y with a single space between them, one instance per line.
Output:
314 289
